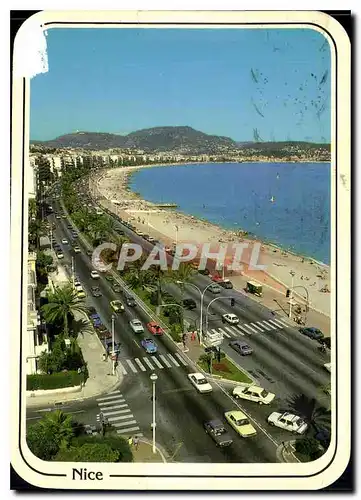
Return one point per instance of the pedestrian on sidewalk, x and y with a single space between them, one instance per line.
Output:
104 356
136 442
130 441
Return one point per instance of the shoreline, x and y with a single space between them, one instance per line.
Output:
113 185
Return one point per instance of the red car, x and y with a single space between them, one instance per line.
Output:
154 328
216 278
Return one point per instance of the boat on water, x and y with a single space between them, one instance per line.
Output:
166 205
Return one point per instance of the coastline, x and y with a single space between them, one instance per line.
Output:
161 223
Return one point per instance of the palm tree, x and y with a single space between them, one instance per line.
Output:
60 425
315 415
62 303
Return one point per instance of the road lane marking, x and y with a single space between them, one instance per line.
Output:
235 331
283 322
117 412
157 363
172 359
136 343
229 329
224 333
140 364
251 327
102 408
244 327
106 398
165 361
278 323
266 326
184 363
130 429
146 360
132 367
113 392
184 389
121 368
122 424
112 402
275 324
120 417
273 327
258 327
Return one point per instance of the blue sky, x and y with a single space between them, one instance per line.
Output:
241 83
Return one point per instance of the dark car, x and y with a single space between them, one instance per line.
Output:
109 277
189 304
130 301
241 347
312 333
89 253
91 310
116 288
205 272
95 291
218 433
226 284
326 341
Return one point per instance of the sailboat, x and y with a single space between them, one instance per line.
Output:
272 199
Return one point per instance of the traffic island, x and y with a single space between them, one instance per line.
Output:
223 369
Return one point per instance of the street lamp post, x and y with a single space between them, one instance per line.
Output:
113 347
211 302
292 273
154 378
73 271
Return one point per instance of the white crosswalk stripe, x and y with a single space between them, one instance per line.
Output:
117 412
126 431
184 363
274 323
157 362
147 362
268 324
122 370
229 329
132 367
165 361
107 403
283 322
243 327
173 360
236 331
140 364
225 333
252 328
107 398
115 407
278 323
258 327
114 392
122 424
120 417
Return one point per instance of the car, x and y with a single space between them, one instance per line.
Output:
241 347
76 249
226 284
116 288
230 318
312 333
117 306
95 291
91 310
74 235
109 277
94 275
326 341
216 278
154 328
205 272
81 294
327 367
140 233
136 326
64 241
214 288
189 304
253 393
151 239
130 301
89 253
60 255
57 217
149 345
63 216
218 433
288 422
240 423
97 322
200 382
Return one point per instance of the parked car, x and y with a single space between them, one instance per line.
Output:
116 288
241 347
326 341
60 255
240 423
327 366
230 318
136 326
130 301
149 345
64 241
77 249
95 291
226 284
91 310
288 422
312 333
200 382
94 275
117 306
154 328
253 393
109 277
218 433
214 288
205 272
189 304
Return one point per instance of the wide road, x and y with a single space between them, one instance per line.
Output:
181 410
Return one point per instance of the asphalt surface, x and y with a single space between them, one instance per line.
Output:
283 362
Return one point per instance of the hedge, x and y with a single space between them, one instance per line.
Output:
54 381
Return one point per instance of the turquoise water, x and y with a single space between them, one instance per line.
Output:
285 204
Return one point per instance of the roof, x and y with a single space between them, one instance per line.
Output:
256 388
237 414
254 283
198 376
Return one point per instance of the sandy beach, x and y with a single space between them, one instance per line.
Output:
169 226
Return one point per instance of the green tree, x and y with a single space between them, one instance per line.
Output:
62 304
97 452
43 262
309 447
315 415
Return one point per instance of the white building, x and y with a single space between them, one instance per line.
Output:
36 340
30 178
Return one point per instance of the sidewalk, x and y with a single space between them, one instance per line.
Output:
285 452
144 452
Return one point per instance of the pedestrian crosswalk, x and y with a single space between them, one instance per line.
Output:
115 410
158 361
264 326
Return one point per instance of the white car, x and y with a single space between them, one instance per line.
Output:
200 382
214 288
76 249
327 366
254 393
64 241
94 275
288 422
60 255
136 326
231 318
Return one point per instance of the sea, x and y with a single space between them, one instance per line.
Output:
287 204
